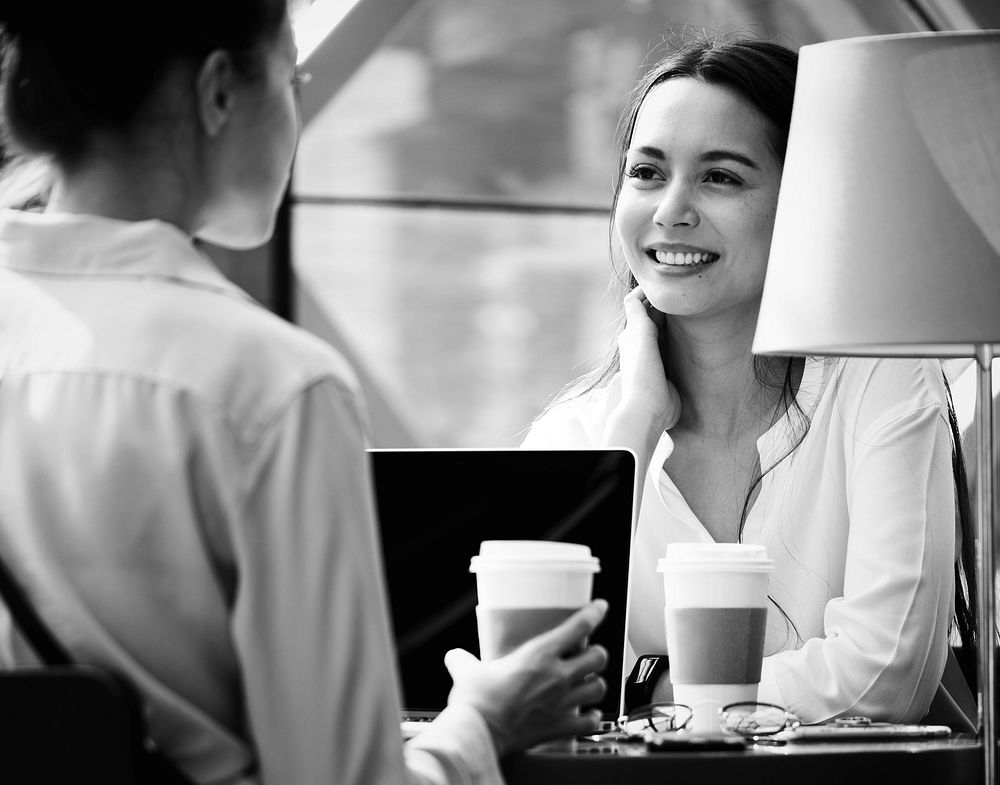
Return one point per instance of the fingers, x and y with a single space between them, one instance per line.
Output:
587 692
635 294
566 637
457 661
593 660
635 304
641 316
574 724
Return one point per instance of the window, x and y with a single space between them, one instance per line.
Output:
450 203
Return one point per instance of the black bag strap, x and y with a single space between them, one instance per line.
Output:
48 649
154 767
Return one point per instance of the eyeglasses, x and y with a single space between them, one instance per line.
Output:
754 721
757 720
655 717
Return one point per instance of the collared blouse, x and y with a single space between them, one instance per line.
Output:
185 495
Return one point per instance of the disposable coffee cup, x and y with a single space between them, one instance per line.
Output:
526 587
715 610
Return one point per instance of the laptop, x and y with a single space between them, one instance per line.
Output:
434 508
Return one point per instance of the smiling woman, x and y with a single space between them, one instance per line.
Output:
842 469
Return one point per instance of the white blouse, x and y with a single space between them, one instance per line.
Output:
859 518
185 494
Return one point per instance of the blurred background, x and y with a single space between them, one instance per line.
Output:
447 222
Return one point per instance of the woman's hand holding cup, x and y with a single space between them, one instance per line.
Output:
535 616
534 693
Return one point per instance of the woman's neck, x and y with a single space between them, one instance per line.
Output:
714 370
126 181
114 197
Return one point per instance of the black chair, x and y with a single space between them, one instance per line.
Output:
954 704
70 723
66 721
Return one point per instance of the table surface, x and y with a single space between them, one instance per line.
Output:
952 761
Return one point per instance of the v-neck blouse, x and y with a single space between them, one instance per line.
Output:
776 442
859 518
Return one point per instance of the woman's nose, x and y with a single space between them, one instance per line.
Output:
676 207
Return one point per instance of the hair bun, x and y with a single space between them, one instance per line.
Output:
54 18
66 20
19 15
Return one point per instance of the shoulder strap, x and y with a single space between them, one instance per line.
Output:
50 650
154 767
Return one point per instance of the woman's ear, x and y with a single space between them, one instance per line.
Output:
215 83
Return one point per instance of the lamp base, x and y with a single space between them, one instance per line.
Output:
986 573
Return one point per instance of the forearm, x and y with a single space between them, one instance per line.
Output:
634 429
830 677
885 639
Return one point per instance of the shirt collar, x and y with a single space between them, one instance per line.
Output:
88 245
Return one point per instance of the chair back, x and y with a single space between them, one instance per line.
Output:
72 723
954 703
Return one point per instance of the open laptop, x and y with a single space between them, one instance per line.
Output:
435 506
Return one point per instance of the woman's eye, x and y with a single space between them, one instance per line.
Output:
719 177
643 172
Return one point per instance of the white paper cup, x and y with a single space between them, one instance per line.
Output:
715 610
526 587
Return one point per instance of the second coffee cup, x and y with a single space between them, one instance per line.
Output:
526 587
715 608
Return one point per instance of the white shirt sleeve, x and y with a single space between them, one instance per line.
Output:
559 427
884 644
456 748
310 623
577 422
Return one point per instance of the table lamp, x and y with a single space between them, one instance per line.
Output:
887 235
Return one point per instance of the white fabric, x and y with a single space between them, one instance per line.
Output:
859 518
185 494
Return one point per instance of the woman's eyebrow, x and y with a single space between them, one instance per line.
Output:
652 152
711 156
728 155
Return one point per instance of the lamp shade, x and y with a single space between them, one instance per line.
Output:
887 234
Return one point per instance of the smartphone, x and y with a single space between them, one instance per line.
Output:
881 731
682 742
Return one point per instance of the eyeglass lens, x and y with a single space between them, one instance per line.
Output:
756 719
659 717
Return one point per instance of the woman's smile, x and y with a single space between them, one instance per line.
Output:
681 256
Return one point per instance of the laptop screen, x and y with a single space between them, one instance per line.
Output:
435 506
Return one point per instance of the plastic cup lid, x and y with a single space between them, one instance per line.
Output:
534 554
723 556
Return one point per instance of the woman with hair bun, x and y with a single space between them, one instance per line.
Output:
184 490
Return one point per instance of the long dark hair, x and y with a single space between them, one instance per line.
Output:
966 588
764 73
